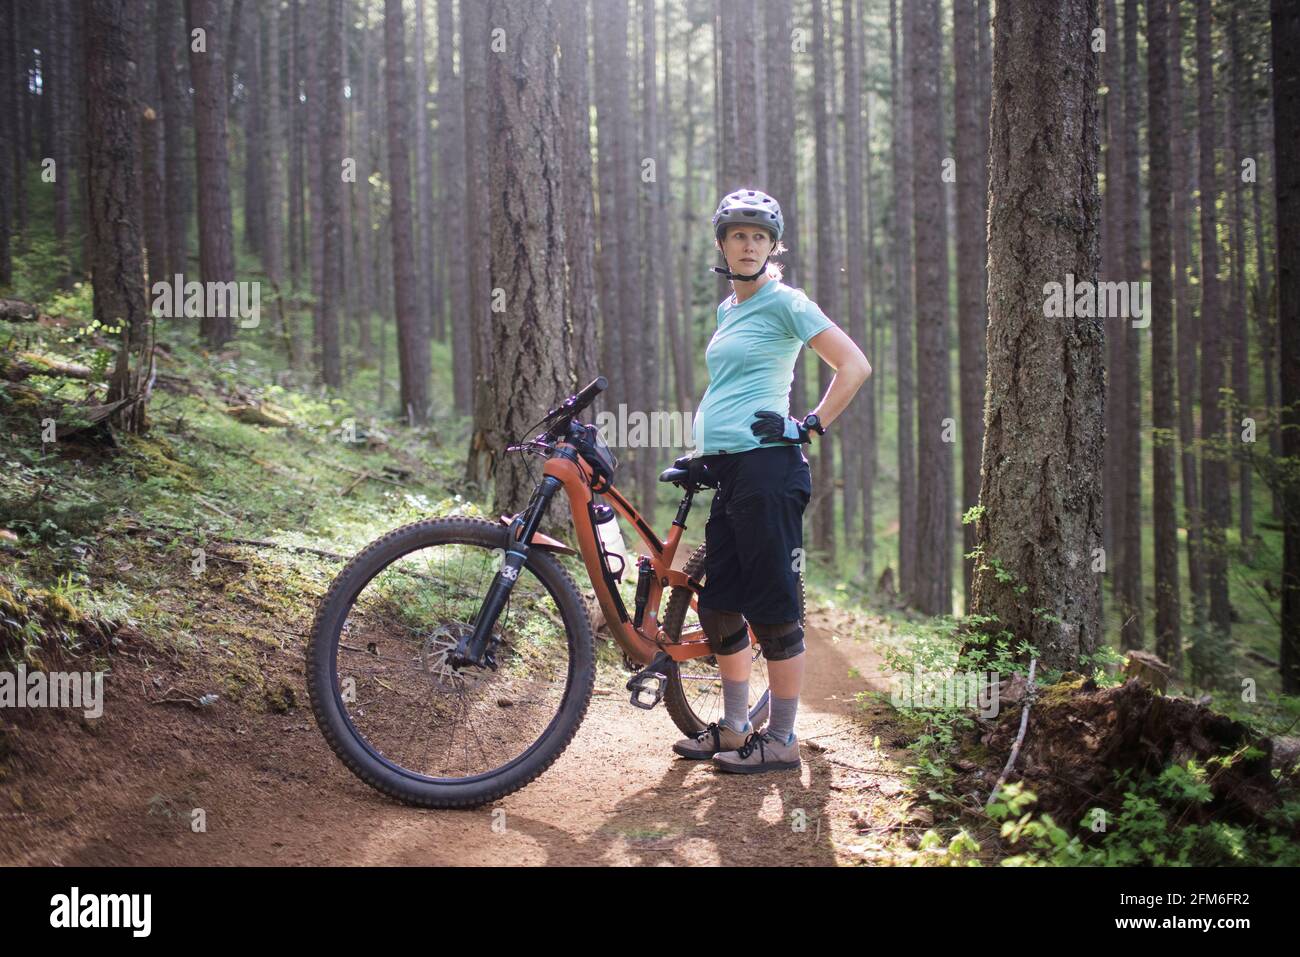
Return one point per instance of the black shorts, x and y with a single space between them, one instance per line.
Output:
754 535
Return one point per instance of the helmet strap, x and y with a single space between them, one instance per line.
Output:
726 271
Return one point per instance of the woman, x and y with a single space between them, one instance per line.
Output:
750 444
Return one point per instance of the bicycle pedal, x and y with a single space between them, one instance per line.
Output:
638 684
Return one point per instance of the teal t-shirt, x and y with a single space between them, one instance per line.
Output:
751 361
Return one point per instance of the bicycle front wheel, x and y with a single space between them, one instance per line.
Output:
393 708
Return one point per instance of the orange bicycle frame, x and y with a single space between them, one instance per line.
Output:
640 644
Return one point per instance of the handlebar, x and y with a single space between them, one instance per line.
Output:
558 419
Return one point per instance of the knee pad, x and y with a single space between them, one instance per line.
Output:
726 631
779 647
730 644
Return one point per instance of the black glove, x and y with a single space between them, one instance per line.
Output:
696 470
773 427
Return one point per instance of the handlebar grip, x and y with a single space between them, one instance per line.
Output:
593 388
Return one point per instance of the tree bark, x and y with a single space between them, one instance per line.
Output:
451 164
1214 467
117 268
1132 630
1043 446
1162 345
332 190
412 347
972 254
934 406
1240 341
532 342
1187 332
1117 332
822 507
855 433
481 464
901 152
216 229
1286 127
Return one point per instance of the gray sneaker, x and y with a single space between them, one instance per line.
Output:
760 752
716 737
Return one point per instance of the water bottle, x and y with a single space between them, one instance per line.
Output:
611 538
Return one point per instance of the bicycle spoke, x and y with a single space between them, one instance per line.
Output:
411 705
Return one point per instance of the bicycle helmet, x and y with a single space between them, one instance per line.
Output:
751 207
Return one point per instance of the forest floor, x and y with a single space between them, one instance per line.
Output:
121 789
187 564
95 533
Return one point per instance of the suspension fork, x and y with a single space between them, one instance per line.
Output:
470 649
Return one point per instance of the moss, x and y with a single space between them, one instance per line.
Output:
1070 684
281 699
158 458
58 607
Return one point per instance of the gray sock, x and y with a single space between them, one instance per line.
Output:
781 724
735 696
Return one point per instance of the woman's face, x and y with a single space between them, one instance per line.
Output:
745 248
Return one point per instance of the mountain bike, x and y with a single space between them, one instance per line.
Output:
452 660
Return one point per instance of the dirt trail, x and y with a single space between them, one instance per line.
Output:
120 789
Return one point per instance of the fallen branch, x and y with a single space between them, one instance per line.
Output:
26 364
1015 748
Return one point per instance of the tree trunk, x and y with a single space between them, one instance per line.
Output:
273 148
1240 346
8 147
152 184
651 292
972 253
481 464
532 343
451 164
1162 344
332 190
216 229
1129 599
1214 467
367 101
857 425
934 406
901 153
1187 332
1043 447
255 211
1117 332
1286 126
424 252
117 269
412 346
822 507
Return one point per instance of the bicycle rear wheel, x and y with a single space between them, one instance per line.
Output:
399 715
693 694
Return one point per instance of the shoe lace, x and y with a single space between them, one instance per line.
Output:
753 743
712 730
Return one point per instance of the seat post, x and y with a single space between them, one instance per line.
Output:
684 508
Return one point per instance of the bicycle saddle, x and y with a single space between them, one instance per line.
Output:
688 471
